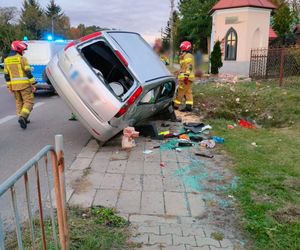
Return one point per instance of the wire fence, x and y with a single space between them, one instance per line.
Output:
46 172
275 63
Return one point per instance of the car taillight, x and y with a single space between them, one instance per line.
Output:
70 44
122 111
90 36
130 101
135 95
121 57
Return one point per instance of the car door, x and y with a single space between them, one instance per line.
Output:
165 95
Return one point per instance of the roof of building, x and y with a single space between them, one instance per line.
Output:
272 34
229 4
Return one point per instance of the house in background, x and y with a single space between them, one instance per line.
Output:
240 25
272 35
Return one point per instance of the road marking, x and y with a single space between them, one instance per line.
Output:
7 118
38 104
10 117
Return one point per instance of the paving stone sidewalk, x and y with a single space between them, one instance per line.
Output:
165 208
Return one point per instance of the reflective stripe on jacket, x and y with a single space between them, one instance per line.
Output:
15 68
187 67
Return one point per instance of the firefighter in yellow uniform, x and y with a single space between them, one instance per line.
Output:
20 81
186 77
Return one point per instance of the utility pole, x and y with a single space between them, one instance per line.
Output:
52 26
171 36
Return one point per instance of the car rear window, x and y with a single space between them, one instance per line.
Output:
107 66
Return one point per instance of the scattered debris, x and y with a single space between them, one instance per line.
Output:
254 144
162 165
204 155
164 133
218 139
147 152
184 136
127 140
185 143
208 144
196 138
178 149
246 124
229 126
147 130
207 127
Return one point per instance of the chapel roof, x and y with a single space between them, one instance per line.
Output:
229 4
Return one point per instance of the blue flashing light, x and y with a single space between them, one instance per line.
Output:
25 38
60 41
49 38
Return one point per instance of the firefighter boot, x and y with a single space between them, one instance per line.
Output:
22 122
188 108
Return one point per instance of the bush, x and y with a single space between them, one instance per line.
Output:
216 58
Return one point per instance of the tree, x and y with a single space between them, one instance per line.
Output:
294 6
32 19
196 22
7 14
74 33
166 34
9 30
216 58
53 10
82 30
57 21
282 22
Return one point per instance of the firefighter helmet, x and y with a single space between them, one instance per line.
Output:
185 46
18 46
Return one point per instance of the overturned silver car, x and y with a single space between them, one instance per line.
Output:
110 80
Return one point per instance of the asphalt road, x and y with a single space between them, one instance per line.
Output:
49 117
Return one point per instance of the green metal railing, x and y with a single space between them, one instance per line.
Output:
57 162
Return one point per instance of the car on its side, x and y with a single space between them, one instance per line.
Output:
110 80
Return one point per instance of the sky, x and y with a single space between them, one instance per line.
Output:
146 17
